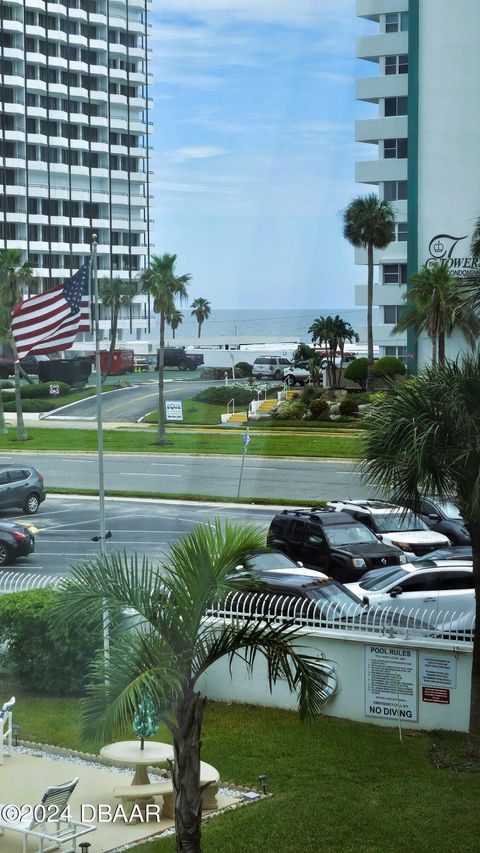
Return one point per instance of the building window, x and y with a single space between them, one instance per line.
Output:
392 314
397 352
396 64
396 22
394 273
396 106
394 190
395 148
402 232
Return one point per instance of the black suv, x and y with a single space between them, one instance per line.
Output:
181 358
331 541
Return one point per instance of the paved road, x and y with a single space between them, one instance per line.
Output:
130 404
66 526
294 479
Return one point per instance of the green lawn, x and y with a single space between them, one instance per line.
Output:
228 443
338 787
194 412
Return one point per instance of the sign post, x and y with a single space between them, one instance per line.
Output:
246 442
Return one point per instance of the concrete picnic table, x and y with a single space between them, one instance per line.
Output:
129 753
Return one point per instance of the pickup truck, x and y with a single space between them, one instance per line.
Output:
181 358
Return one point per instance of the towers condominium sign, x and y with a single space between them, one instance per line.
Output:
442 249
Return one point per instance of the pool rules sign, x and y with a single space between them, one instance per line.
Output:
391 683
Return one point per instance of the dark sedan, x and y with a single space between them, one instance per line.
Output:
16 540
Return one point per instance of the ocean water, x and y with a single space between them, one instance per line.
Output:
293 323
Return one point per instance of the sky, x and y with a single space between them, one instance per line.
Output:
254 152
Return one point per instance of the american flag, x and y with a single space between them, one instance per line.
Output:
51 321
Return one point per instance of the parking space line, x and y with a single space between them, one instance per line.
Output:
141 474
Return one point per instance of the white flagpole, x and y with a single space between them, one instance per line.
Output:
101 480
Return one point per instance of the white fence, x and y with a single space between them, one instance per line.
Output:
20 582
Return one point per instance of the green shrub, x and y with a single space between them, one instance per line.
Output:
388 367
293 410
7 384
222 394
42 389
348 407
378 398
319 409
309 393
34 405
244 367
357 371
44 655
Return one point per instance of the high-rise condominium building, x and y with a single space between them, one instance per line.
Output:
425 81
74 140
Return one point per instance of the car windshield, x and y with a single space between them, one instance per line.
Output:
380 578
450 510
348 534
329 591
270 561
392 522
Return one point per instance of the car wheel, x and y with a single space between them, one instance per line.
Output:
291 381
182 365
4 554
277 374
31 504
4 374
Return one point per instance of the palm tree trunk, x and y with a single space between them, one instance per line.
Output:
186 772
161 404
21 433
199 328
173 332
473 746
434 351
370 316
113 342
3 426
441 348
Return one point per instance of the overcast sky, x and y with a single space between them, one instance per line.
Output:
253 111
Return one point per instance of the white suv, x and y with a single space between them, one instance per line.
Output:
297 373
395 525
269 366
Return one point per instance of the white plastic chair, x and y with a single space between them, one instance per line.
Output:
6 728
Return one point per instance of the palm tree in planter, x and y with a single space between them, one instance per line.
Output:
369 223
171 644
436 304
174 320
15 276
201 310
425 438
161 282
115 293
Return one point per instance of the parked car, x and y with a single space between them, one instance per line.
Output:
16 540
444 517
269 367
431 587
395 525
454 553
21 486
298 373
331 542
181 358
339 362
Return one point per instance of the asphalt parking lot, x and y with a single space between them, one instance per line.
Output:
65 527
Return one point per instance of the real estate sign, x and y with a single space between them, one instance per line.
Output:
173 410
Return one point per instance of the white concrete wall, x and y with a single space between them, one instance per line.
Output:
348 657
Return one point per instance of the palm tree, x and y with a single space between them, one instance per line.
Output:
437 305
174 320
201 310
425 439
332 332
161 282
346 332
171 645
15 274
369 222
115 293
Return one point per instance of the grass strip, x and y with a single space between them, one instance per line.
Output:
338 786
182 496
134 441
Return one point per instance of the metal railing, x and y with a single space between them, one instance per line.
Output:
232 404
350 619
20 582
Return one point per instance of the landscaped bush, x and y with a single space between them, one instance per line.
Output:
244 367
44 656
348 407
309 393
388 367
6 384
357 371
34 405
42 389
222 394
291 411
319 409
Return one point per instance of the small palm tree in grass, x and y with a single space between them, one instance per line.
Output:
425 438
15 275
174 320
369 223
201 310
115 293
172 644
161 282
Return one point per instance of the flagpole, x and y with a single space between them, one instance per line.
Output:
101 479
